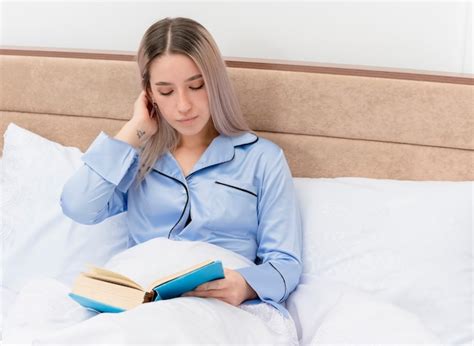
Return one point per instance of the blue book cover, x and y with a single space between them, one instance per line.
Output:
188 282
106 291
94 304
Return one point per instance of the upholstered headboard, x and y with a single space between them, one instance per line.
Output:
332 121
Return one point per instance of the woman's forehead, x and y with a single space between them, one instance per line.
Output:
173 69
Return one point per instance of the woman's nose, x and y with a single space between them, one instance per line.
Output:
184 104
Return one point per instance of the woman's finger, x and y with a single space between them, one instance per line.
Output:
204 294
211 285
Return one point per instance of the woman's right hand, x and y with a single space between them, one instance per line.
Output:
144 115
142 125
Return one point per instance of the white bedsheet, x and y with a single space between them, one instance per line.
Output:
6 300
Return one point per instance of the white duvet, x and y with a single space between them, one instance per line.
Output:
44 314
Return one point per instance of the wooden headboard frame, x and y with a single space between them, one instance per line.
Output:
331 120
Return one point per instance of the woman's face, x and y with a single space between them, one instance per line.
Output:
178 88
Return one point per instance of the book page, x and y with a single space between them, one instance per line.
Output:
176 275
108 293
110 276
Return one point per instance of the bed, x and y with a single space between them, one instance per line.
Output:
382 161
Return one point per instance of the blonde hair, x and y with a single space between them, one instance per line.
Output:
185 36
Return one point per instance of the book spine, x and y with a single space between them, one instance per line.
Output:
149 297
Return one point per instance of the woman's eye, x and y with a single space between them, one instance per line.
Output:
169 93
199 87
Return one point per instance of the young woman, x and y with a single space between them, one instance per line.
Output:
187 167
201 174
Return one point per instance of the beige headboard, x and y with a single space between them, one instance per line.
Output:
332 121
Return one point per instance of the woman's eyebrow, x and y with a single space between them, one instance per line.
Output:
187 80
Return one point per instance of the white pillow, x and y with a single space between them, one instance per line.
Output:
38 240
406 242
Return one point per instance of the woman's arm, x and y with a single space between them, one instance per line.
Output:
279 235
99 188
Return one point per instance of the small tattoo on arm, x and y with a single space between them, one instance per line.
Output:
140 134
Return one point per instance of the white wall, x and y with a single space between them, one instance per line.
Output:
426 35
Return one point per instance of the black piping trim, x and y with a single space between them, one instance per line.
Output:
284 281
187 199
238 145
237 188
215 164
222 162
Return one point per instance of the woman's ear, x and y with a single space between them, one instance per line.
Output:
150 105
149 93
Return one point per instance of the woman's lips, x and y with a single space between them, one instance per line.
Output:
187 121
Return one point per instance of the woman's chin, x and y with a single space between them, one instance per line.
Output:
194 129
189 131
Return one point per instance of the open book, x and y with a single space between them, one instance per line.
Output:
106 291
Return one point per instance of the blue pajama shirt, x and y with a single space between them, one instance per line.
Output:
239 195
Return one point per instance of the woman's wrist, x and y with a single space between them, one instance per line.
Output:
133 134
249 291
251 294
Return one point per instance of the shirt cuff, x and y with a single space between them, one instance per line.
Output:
266 281
114 160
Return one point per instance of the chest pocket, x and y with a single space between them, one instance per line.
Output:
233 207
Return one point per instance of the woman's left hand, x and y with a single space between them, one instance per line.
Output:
233 289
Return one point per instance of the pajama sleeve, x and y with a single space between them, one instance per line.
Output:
279 235
99 188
